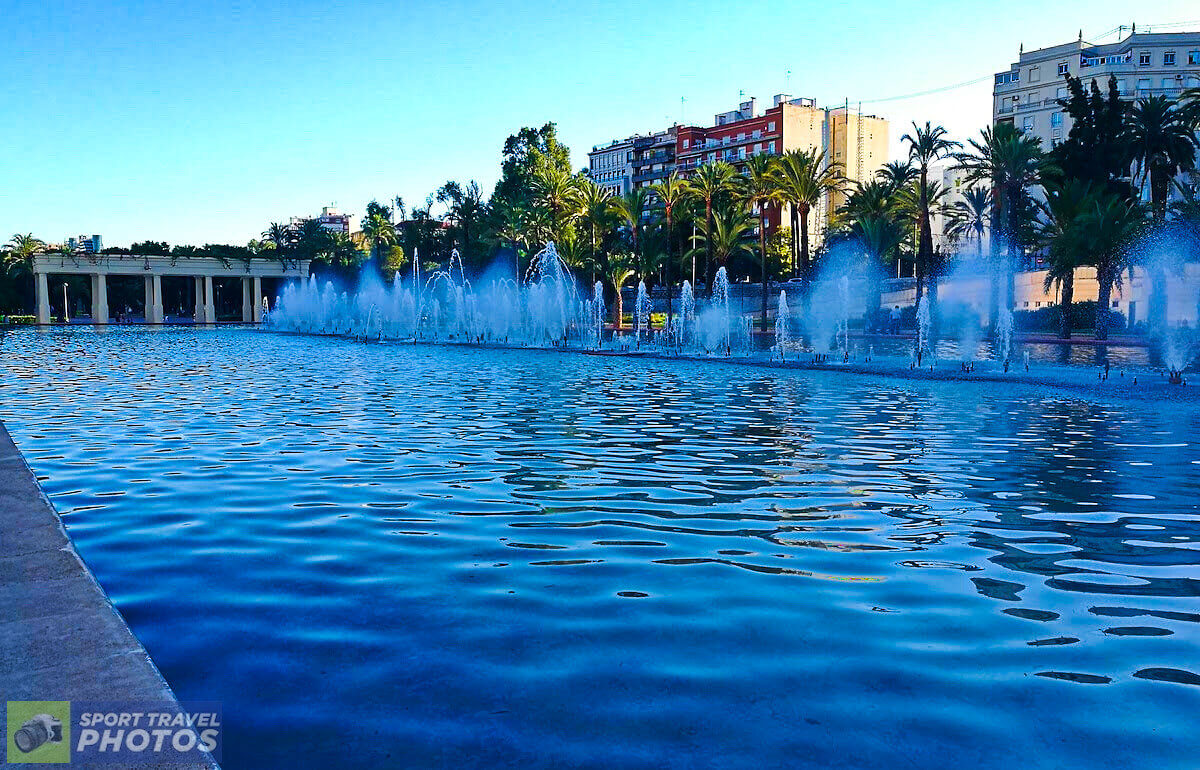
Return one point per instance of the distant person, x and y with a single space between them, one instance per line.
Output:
896 320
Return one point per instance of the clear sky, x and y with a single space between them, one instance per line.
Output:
196 122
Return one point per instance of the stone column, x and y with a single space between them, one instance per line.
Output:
256 312
247 302
210 310
99 298
148 305
42 289
198 315
156 290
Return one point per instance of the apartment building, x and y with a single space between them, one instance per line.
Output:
843 135
610 166
87 244
1143 63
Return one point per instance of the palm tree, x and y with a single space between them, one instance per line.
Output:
760 187
925 146
968 217
379 233
556 190
466 209
1162 143
596 217
880 237
284 238
804 180
618 269
708 184
508 228
1110 224
727 236
669 193
1061 234
1010 163
19 250
897 174
629 208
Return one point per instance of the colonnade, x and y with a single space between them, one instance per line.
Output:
152 269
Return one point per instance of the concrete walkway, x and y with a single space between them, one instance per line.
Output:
60 636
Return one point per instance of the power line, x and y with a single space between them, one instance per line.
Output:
927 92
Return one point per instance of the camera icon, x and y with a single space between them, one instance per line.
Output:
36 731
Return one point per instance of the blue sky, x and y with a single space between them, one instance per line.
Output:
203 122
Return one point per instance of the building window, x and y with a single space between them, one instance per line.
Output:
1063 68
1168 83
1027 124
685 144
771 126
1169 59
1193 57
1116 303
1056 119
1144 84
1144 59
1034 97
1121 86
1026 305
1035 74
1062 93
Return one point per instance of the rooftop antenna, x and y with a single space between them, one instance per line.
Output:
1081 35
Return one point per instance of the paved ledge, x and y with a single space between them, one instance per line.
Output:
60 636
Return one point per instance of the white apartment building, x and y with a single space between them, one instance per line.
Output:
610 166
1144 64
88 244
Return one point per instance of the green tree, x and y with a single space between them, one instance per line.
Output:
466 212
1010 164
804 180
1111 224
618 268
968 217
669 194
761 187
378 231
1065 242
557 192
926 145
879 237
1162 144
596 219
526 154
709 185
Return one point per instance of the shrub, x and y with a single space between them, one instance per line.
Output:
1083 317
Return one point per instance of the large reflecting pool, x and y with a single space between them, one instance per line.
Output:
394 555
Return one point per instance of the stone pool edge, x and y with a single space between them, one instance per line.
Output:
61 638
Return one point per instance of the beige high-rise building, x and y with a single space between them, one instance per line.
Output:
858 143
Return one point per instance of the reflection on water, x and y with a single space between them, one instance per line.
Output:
411 556
1073 353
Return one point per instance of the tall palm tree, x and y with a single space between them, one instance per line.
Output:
508 228
1110 224
629 208
1061 233
804 180
379 233
760 187
897 174
726 238
284 238
20 249
557 190
926 146
710 182
1010 163
880 237
669 194
968 217
597 216
618 268
1162 144
465 209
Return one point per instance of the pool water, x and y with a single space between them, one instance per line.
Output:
412 556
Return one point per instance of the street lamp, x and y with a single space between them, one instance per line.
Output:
66 312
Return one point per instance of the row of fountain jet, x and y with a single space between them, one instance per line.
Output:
546 309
